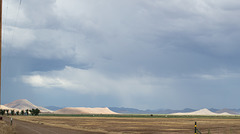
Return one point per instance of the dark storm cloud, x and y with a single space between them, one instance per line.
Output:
158 50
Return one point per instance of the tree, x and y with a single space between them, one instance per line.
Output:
17 112
31 111
27 111
7 112
12 112
22 112
2 111
37 111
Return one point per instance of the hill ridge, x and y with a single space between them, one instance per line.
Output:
203 111
24 104
84 110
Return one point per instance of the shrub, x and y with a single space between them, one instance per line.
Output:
22 112
12 112
2 111
35 111
27 111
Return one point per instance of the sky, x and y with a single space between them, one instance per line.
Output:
146 54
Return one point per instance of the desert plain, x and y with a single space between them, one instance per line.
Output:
103 120
161 124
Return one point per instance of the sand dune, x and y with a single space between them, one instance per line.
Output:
83 110
8 108
24 104
202 112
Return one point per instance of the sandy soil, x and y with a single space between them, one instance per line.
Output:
8 108
140 125
23 127
24 104
83 110
201 112
5 128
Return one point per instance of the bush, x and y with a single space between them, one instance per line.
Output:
2 111
22 112
27 111
12 112
35 111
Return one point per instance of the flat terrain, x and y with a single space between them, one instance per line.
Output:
5 128
23 127
139 125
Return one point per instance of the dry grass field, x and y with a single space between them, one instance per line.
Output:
6 129
139 125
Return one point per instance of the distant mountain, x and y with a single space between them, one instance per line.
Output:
169 111
24 104
53 108
137 111
202 112
123 110
231 111
213 109
236 110
227 111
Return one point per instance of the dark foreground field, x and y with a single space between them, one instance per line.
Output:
168 125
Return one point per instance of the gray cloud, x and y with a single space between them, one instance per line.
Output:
180 45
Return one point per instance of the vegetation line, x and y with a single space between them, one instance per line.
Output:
146 116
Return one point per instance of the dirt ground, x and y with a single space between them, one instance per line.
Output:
5 128
24 127
139 125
